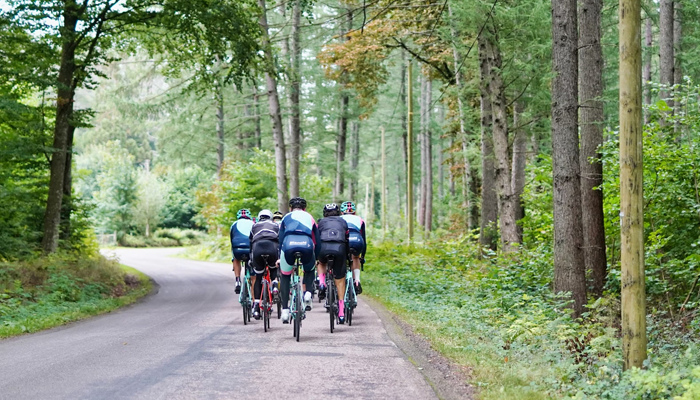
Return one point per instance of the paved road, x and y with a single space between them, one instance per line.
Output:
188 341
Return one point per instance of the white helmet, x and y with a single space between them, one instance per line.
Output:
267 214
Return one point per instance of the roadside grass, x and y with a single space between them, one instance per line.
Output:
48 292
453 323
497 316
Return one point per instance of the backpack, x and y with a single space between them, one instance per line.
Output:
332 229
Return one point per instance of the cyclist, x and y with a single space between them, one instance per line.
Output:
277 217
334 234
264 242
357 242
298 233
240 242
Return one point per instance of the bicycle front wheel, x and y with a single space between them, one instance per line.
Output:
331 305
244 303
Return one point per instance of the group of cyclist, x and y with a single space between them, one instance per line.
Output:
274 240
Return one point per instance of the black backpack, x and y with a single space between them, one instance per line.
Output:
332 229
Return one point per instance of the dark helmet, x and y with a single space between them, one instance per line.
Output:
277 215
331 210
297 202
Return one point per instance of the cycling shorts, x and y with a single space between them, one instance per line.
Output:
261 249
336 251
241 253
357 244
297 244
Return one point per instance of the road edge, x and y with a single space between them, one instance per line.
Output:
448 380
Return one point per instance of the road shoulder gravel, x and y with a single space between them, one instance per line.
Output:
448 380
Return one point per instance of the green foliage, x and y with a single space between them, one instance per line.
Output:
497 315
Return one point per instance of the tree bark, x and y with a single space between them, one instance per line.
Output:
591 131
67 202
220 131
258 131
295 122
569 267
342 127
489 199
354 158
428 169
409 154
404 123
64 111
634 341
518 167
423 152
646 75
666 58
506 199
275 114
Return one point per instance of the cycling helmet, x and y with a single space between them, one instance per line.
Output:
244 213
264 214
348 207
297 202
330 210
277 215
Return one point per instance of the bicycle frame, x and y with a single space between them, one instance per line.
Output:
297 308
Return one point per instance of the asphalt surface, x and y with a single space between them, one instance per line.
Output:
188 341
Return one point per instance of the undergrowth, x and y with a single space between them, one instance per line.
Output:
45 292
498 316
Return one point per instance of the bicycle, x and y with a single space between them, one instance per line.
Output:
350 297
266 296
331 294
297 308
245 298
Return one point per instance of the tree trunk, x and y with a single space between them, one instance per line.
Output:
666 59
634 341
258 131
404 119
441 170
342 126
275 114
295 122
428 169
467 188
591 131
518 167
64 111
423 151
646 76
220 131
459 82
409 154
354 158
569 267
67 202
506 199
489 199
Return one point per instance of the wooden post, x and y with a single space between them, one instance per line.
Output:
409 153
634 342
384 191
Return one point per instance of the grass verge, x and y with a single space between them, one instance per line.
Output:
46 293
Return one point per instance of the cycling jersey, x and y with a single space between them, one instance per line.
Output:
264 238
298 234
357 238
240 241
334 243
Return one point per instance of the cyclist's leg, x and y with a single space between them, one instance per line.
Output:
238 254
285 275
339 272
322 268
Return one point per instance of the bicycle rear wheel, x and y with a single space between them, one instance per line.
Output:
300 311
331 304
265 306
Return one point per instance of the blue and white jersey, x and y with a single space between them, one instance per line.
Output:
240 233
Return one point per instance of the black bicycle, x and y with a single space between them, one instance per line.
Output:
331 294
